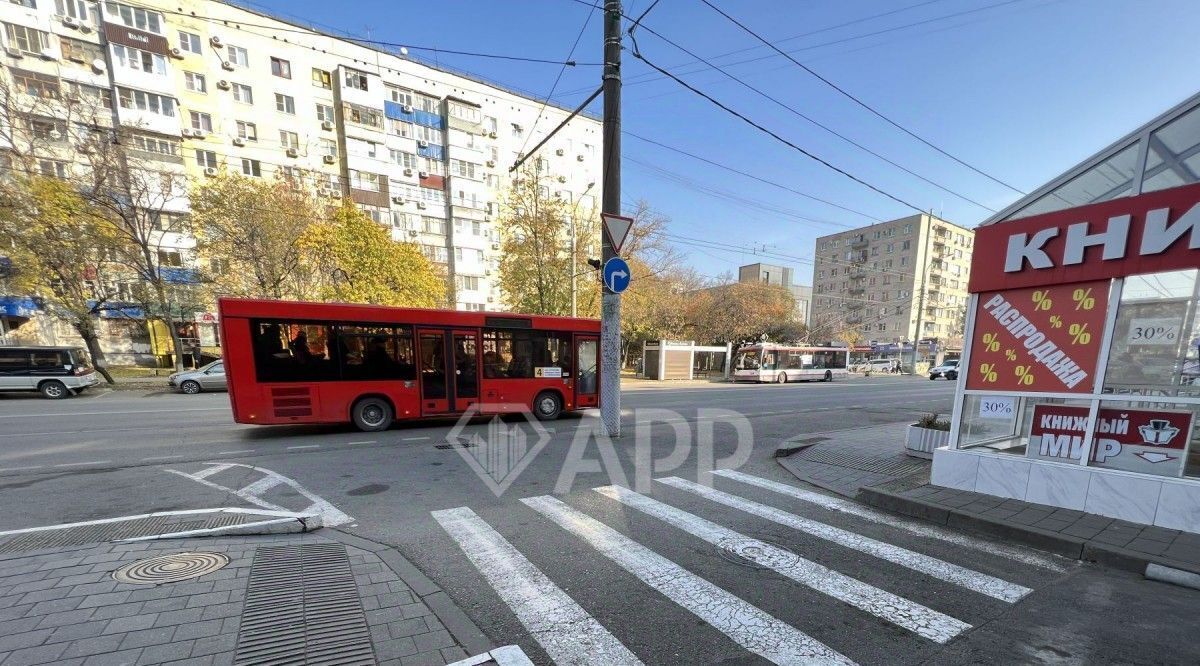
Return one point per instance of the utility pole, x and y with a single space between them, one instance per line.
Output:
574 270
921 294
610 303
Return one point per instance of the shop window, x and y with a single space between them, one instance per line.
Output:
1155 348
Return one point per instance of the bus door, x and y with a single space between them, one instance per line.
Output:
587 370
435 389
465 369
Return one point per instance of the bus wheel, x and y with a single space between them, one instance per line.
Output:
781 378
547 406
828 376
371 414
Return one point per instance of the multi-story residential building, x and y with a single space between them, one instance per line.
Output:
212 86
781 276
896 282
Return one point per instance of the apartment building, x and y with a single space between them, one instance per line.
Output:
897 281
780 276
212 86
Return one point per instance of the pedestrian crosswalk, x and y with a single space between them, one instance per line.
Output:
858 568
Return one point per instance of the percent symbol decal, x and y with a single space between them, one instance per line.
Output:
1055 321
1041 300
1080 334
988 370
991 342
1083 299
1010 354
1024 376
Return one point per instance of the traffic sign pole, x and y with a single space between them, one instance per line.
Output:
610 303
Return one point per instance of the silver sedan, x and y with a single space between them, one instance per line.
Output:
210 377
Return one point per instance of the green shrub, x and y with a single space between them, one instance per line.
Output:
932 422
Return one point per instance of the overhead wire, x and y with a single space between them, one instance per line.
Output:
532 130
858 101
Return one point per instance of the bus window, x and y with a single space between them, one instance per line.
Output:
376 352
747 360
515 354
292 352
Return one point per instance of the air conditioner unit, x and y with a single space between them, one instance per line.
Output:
223 84
491 299
85 28
413 233
487 272
187 131
227 66
422 144
491 135
398 200
210 171
562 179
559 152
293 152
199 134
14 52
326 124
70 21
239 141
47 54
495 246
329 159
336 194
579 158
98 65
408 172
421 205
408 108
423 174
75 57
176 53
322 191
491 163
215 41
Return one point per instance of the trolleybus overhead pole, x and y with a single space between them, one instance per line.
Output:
610 302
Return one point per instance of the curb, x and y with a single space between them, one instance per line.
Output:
1114 557
465 632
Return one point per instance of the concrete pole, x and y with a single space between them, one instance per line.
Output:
610 303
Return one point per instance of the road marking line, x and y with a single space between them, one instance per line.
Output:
365 441
942 570
304 446
136 411
261 486
209 471
911 526
747 625
80 464
331 516
233 453
414 439
902 612
567 632
161 458
20 469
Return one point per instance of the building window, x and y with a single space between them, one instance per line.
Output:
518 132
406 160
247 131
400 128
251 167
289 139
329 147
464 169
360 147
194 82
463 112
238 56
281 68
80 51
322 78
76 9
401 96
429 165
285 104
36 85
361 180
356 80
428 135
361 115
149 144
140 61
135 17
144 101
189 42
428 104
206 159
325 113
243 93
26 39
467 282
201 121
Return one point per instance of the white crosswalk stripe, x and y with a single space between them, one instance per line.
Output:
973 580
567 632
747 625
902 612
1017 553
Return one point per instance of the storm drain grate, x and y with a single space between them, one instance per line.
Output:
302 606
128 529
890 466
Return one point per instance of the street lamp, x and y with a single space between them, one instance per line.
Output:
574 268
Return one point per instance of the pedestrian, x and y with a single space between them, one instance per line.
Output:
196 355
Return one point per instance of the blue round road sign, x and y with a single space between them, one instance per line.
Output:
616 275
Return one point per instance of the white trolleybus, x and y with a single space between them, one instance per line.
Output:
784 363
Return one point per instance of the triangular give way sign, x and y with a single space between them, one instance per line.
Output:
616 227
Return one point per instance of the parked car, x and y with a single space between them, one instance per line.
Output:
877 365
56 372
948 369
210 377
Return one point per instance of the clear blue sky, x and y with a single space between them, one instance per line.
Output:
1022 89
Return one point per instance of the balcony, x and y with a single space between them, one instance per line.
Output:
858 257
854 319
856 291
858 243
857 274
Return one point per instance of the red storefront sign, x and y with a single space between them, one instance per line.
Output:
1152 442
1149 233
1038 339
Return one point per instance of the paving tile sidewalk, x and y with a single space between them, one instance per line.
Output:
868 465
64 607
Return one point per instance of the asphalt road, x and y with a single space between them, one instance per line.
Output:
654 580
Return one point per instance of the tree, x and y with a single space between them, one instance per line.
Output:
537 265
60 252
833 327
741 312
251 229
354 260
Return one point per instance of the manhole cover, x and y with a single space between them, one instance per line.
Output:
170 568
757 553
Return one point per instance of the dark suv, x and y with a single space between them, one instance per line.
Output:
56 372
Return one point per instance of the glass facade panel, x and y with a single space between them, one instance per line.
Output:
1110 179
1173 158
1156 341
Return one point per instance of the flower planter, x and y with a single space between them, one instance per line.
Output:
921 442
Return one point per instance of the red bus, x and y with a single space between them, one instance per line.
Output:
290 362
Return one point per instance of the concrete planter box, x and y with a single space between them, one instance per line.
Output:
921 442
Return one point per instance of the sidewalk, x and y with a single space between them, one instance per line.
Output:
328 596
868 465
